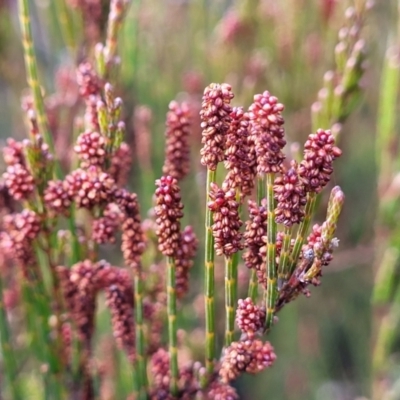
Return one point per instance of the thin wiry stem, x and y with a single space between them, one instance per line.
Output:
229 300
172 325
271 293
284 264
209 282
31 71
253 284
140 342
301 233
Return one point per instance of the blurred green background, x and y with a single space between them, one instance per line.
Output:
172 49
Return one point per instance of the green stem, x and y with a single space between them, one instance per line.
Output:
229 300
209 282
10 365
172 325
140 342
31 70
284 265
272 292
301 233
66 25
253 284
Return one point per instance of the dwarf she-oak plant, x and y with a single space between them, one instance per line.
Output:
58 275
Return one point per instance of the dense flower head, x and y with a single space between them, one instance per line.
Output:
120 303
90 187
316 245
239 158
168 213
215 117
90 148
121 161
177 151
88 80
256 230
184 260
20 230
267 133
250 318
291 197
222 391
57 198
319 152
105 227
19 181
226 220
250 356
13 153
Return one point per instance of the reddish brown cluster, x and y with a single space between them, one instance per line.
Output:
20 231
250 318
221 391
168 213
256 230
79 289
132 245
105 227
121 161
90 187
291 197
267 133
316 168
177 151
160 372
314 243
13 153
19 181
250 356
227 223
239 158
215 117
89 82
90 148
91 117
57 198
120 302
184 260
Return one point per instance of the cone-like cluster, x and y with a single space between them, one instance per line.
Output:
90 187
291 197
19 181
120 302
255 232
159 367
105 227
184 260
215 116
121 161
13 153
239 160
57 198
132 245
267 133
222 391
227 223
21 230
177 151
168 213
88 81
90 148
250 356
317 166
250 318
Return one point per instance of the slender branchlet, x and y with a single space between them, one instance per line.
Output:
267 133
215 117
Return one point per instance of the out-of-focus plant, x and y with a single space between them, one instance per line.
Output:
386 295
